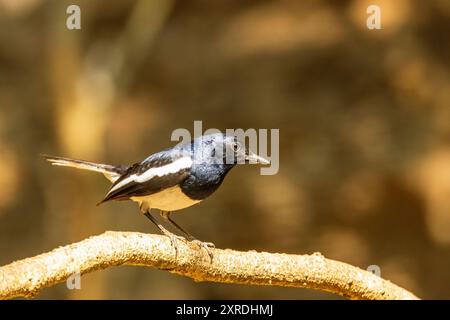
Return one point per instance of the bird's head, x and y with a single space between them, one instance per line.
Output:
227 150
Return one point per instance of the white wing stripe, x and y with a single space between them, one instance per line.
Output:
177 165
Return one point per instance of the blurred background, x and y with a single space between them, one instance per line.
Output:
364 119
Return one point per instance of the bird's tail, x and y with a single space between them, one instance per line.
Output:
112 173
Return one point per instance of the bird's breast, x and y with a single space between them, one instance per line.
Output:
170 199
203 182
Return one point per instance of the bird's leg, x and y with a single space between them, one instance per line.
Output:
166 216
173 238
206 245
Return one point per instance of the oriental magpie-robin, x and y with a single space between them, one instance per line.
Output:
173 179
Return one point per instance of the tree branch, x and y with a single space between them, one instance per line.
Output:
25 278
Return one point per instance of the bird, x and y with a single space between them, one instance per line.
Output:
172 179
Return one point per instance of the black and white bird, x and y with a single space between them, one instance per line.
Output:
172 179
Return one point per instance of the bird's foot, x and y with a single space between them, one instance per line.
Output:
205 245
174 240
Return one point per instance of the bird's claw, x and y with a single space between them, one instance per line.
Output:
173 240
205 245
210 245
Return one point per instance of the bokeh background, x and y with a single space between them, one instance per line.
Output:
364 119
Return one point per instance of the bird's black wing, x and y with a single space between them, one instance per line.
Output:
156 173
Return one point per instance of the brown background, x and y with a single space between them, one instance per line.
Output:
364 119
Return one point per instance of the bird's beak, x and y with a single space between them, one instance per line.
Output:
254 158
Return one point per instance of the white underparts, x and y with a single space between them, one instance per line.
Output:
170 199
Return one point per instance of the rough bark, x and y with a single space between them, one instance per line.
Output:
25 278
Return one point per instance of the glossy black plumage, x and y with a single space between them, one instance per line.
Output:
198 181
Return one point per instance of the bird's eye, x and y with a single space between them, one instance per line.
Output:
237 147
